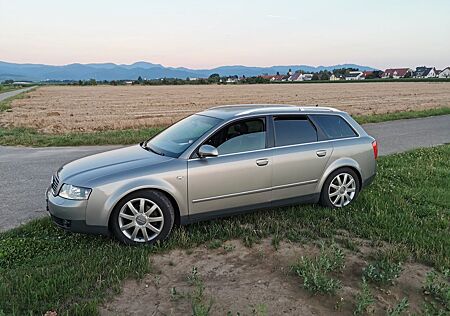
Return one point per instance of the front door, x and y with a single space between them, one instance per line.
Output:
239 176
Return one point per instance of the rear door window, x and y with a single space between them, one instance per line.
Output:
333 126
292 130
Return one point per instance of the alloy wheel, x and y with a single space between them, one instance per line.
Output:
141 220
342 189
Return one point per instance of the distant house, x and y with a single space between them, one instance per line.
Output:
445 73
367 74
232 79
279 78
298 76
335 78
397 73
267 77
425 72
354 75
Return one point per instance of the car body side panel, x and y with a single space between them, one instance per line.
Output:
171 179
352 152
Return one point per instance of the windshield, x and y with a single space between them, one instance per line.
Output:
174 140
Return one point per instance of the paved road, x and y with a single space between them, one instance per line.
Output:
6 95
25 172
403 135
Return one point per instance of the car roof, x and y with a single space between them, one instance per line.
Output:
230 111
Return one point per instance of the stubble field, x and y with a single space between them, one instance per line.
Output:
62 109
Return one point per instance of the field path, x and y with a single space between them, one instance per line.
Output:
25 172
9 94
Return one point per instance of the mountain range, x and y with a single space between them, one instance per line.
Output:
111 71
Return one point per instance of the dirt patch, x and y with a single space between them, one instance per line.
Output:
256 281
109 107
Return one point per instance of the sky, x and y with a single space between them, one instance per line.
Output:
210 33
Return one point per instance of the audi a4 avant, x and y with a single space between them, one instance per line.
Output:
218 162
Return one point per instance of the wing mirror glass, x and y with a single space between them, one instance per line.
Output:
207 151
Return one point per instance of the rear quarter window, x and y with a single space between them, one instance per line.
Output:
334 126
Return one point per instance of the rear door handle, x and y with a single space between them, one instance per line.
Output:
262 162
321 153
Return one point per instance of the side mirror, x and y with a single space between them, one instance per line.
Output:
207 151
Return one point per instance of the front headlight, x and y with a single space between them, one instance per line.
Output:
72 192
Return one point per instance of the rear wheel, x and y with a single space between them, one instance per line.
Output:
340 189
142 217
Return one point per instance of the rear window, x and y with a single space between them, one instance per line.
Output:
333 126
294 130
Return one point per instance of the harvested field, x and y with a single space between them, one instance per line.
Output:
60 109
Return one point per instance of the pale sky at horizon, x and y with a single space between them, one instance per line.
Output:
206 34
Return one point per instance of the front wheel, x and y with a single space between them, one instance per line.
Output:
142 217
340 189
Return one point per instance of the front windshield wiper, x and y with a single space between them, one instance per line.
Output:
147 147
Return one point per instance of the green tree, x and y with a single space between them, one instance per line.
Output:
214 78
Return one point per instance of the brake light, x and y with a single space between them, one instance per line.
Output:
375 149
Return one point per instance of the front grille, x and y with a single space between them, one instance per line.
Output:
55 184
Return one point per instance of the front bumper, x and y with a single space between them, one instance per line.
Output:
71 215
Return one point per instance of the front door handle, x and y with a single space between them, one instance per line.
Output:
321 153
262 162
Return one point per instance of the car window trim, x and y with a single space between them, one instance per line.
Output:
318 142
233 154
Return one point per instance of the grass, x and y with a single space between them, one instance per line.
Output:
383 272
377 118
399 309
44 268
5 105
29 137
200 305
437 286
364 299
315 271
8 87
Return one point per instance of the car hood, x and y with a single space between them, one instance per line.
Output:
119 162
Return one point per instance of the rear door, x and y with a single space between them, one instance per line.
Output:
299 158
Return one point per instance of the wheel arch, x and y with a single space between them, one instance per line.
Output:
338 164
112 204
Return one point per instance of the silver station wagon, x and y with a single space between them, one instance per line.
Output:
219 162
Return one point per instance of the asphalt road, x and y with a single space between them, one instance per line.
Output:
25 172
9 94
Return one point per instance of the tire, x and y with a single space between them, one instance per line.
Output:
339 190
142 217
